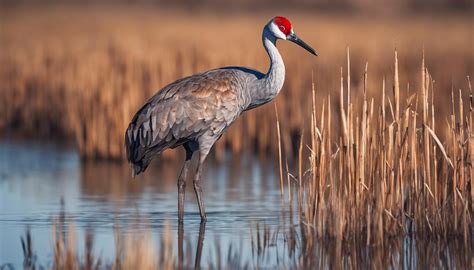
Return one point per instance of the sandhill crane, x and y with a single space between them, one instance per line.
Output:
194 111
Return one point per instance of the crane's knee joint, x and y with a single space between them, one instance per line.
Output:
197 186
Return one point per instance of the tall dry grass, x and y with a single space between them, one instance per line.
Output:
80 73
386 172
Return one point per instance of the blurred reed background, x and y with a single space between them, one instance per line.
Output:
78 73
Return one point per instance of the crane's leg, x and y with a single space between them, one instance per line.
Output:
204 148
182 182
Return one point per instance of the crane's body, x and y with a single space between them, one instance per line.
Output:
195 111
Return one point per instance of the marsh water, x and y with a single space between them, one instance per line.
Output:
35 178
41 181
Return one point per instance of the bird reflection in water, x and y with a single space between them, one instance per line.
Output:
200 244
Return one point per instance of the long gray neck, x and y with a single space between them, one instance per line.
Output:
270 85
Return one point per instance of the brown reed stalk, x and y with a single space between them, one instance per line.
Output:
300 172
280 159
288 181
388 178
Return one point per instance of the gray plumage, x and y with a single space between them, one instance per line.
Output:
195 111
186 110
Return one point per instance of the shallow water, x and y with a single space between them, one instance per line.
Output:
34 179
40 182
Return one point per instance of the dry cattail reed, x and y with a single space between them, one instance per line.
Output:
389 179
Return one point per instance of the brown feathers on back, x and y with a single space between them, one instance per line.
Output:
183 111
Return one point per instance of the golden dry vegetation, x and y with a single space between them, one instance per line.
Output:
80 74
387 148
385 172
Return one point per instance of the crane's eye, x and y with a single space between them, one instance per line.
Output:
282 28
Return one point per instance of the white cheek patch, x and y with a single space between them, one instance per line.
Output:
276 31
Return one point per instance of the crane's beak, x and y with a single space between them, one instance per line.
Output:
294 38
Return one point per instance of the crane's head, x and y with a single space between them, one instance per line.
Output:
280 27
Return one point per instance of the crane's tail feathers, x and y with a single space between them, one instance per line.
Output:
136 170
140 166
